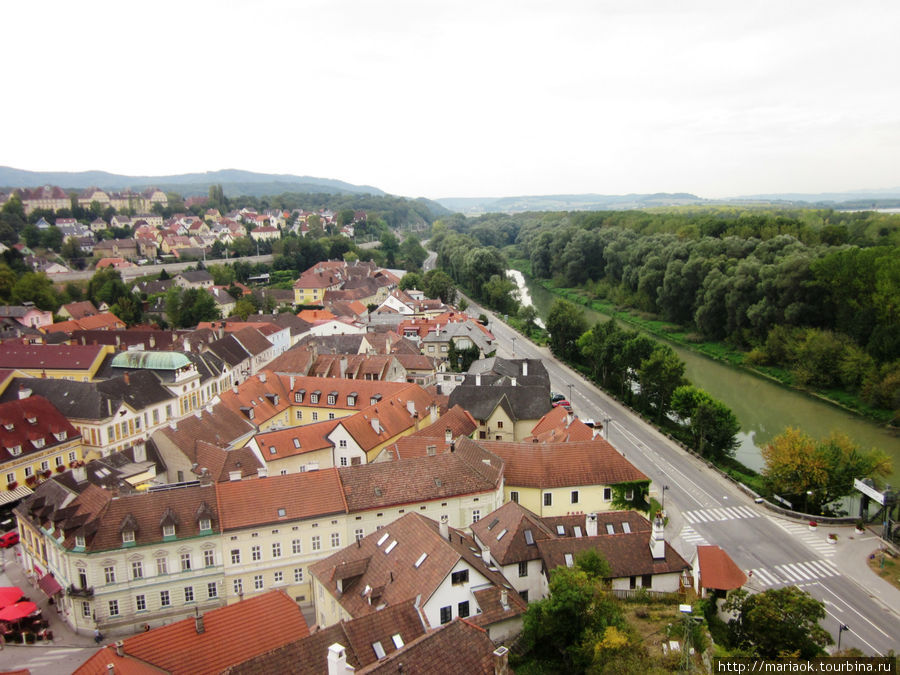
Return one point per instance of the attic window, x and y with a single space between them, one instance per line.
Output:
390 547
297 443
398 641
60 435
383 538
578 532
298 396
314 397
378 492
79 541
502 534
332 398
272 450
493 523
431 450
437 482
38 442
570 561
560 530
378 649
375 399
168 530
282 513
610 528
9 426
529 538
205 524
128 537
15 450
351 398
626 528
31 419
420 560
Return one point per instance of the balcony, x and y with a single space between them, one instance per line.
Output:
77 592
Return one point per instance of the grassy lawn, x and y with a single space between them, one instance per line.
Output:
891 570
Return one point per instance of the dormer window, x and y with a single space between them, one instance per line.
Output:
298 396
15 450
128 537
168 530
314 397
38 442
332 398
205 524
61 435
31 419
79 541
351 398
9 426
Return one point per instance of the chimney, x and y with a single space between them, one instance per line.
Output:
140 451
337 660
570 417
591 524
187 345
262 378
501 661
79 473
524 368
504 599
444 528
262 472
513 380
127 378
24 392
343 367
486 555
657 539
477 379
292 383
234 388
152 342
205 478
448 436
120 648
110 668
198 624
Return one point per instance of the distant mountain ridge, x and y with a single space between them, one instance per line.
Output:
235 182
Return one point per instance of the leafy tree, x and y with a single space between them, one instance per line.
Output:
711 425
71 249
812 474
438 284
777 623
411 280
52 238
223 275
7 281
164 275
412 255
243 308
461 359
128 308
390 246
528 316
498 293
565 323
660 375
32 236
35 287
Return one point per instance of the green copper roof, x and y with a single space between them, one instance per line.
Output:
151 360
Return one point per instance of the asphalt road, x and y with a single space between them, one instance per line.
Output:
143 270
704 508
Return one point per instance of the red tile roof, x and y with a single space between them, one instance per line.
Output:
53 357
301 495
231 634
283 443
31 424
558 427
717 570
554 465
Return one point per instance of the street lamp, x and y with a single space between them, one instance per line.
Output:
663 505
570 393
514 346
841 630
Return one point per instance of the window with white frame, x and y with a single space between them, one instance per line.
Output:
276 549
298 575
316 543
342 443
238 586
85 609
212 590
205 524
548 499
137 570
607 494
344 461
258 582
315 416
185 562
209 558
296 546
58 460
114 608
476 515
73 456
164 599
359 534
256 552
128 537
140 603
235 556
278 577
335 539
162 566
109 574
168 530
188 593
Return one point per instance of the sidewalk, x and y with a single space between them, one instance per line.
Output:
851 557
63 636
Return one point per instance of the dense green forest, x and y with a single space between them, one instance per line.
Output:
812 294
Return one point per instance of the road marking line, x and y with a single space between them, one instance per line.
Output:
857 612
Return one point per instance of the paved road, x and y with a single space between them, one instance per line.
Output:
142 270
705 508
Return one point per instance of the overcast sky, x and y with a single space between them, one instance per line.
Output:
455 99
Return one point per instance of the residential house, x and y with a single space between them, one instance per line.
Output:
416 556
116 248
205 644
265 233
310 287
78 310
194 279
48 197
27 315
63 362
716 572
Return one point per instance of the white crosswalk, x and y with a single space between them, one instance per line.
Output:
691 536
817 542
720 514
792 573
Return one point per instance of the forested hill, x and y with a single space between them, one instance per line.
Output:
235 182
812 292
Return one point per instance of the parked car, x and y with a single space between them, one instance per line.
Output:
9 539
562 402
556 396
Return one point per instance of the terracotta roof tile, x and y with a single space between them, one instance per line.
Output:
68 357
717 570
295 440
231 634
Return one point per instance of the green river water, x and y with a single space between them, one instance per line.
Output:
763 408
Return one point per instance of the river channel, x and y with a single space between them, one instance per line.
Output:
764 409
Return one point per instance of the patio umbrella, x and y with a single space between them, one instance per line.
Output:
18 611
9 595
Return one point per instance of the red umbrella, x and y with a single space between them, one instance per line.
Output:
10 595
18 611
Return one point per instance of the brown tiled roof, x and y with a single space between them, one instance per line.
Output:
717 570
490 601
220 427
457 647
79 310
252 340
231 634
557 427
295 361
616 519
419 479
391 416
148 510
220 462
64 357
555 465
627 554
513 546
308 494
265 395
392 576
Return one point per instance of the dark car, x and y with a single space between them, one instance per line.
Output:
556 396
9 539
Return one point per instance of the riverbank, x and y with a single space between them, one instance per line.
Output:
717 351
